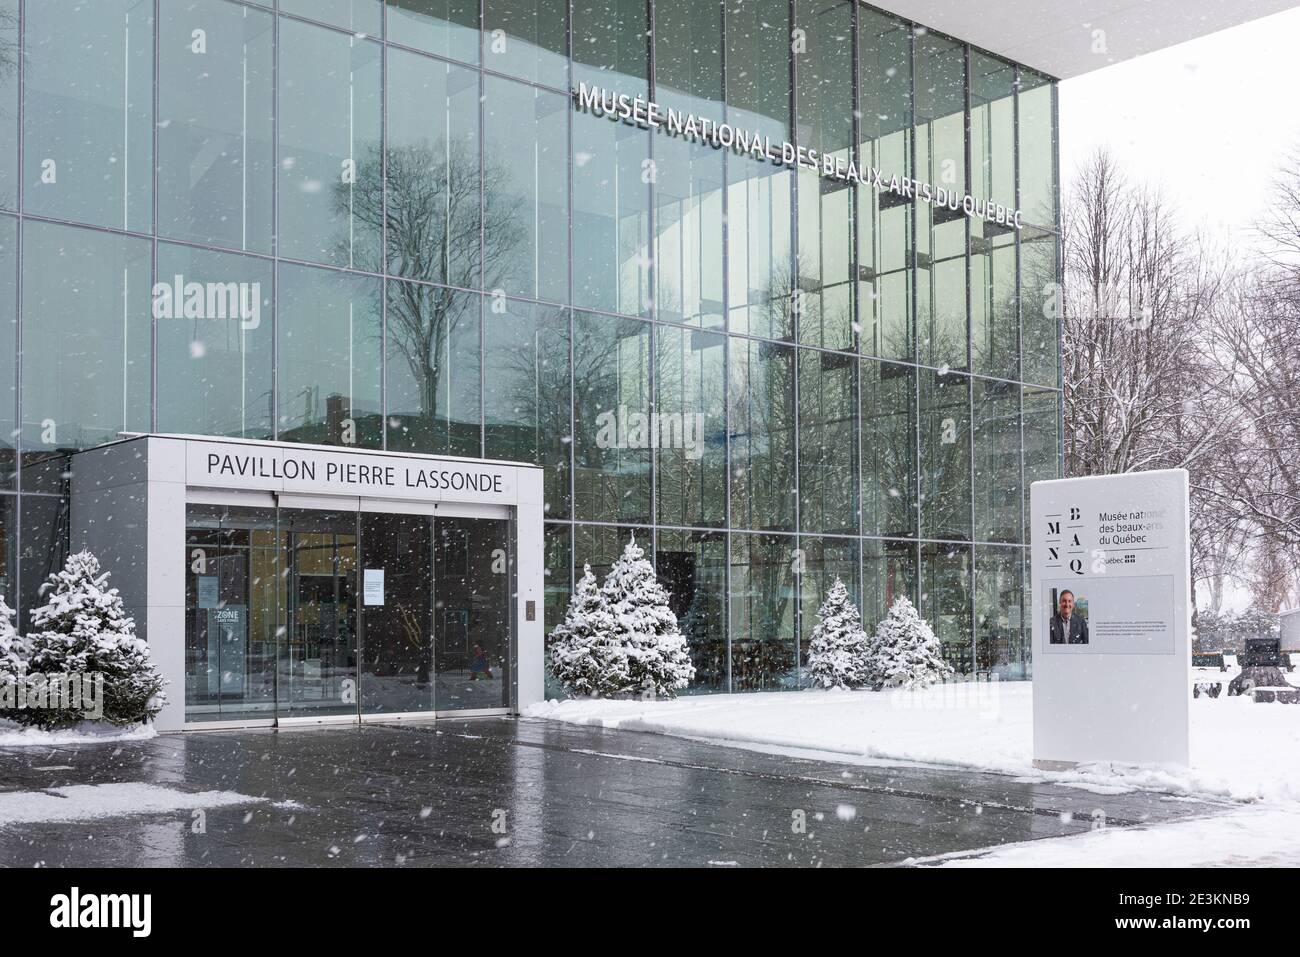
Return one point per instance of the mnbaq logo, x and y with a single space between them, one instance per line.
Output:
103 910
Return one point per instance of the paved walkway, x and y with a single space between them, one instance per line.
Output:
503 792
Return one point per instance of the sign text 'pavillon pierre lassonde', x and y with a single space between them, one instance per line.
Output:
647 114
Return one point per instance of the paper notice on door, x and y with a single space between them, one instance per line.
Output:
373 586
207 591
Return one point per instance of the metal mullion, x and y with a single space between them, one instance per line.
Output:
726 361
18 318
571 444
482 228
970 347
653 271
153 239
796 326
383 230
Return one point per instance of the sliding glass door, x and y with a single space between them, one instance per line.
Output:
296 613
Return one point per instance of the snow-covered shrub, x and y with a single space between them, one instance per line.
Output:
905 652
837 651
82 629
585 657
658 660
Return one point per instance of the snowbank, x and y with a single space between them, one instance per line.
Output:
87 732
1240 750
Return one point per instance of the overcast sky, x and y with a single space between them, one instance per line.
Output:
1207 119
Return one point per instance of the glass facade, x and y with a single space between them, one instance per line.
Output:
383 224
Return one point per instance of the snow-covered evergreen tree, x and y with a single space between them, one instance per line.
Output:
905 652
11 646
585 655
83 628
837 651
658 660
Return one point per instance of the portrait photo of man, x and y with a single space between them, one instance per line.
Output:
1068 627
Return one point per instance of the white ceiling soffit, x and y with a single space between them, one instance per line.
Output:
1065 38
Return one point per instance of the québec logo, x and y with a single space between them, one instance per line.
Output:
75 909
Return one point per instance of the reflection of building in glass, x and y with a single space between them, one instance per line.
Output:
452 259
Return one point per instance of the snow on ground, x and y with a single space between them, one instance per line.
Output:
84 802
1240 750
88 732
1255 835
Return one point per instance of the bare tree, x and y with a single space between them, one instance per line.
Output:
1143 387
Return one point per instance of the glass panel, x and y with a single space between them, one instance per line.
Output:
760 276
318 659
758 66
44 532
941 230
610 44
888 449
760 272
433 172
612 449
885 274
8 352
1040 306
215 106
398 634
762 607
9 104
827 442
330 190
945 456
994 330
688 56
527 40
940 111
1001 638
232 599
473 573
559 569
526 396
688 232
825 123
88 80
86 337
690 376
1037 149
693 567
600 546
611 216
822 560
448 28
434 380
9 551
1042 438
997 461
946 601
330 358
359 16
761 393
215 329
992 129
526 198
888 573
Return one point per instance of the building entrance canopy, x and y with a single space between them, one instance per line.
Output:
320 582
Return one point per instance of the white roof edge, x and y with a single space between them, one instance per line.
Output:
1066 38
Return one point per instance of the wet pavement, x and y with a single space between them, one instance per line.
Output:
505 792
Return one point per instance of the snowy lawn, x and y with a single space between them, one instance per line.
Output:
1240 749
